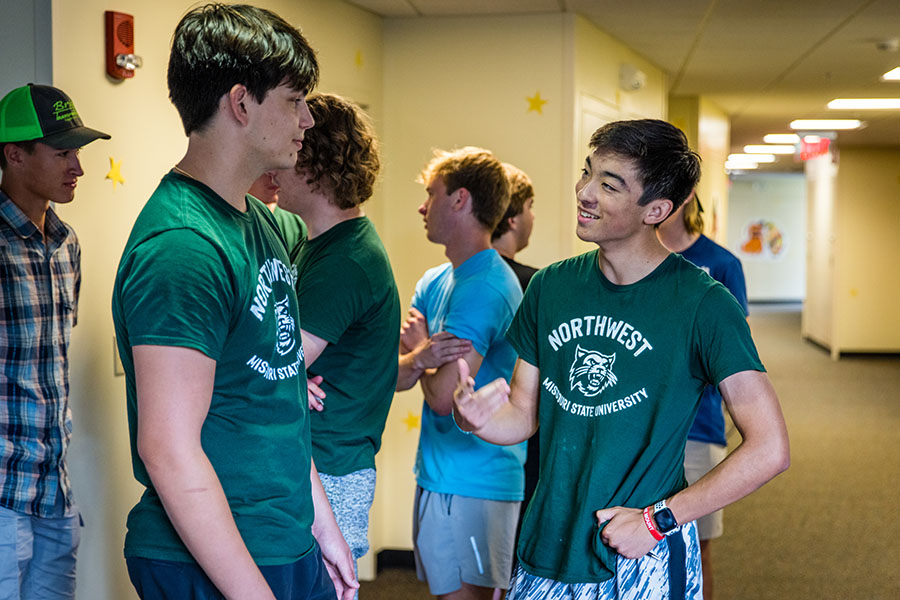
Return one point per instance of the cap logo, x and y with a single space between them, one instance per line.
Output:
64 111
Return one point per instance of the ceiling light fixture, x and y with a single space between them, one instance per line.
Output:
769 149
825 124
864 103
892 75
740 166
781 138
751 158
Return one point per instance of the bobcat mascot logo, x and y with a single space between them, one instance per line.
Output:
285 324
591 372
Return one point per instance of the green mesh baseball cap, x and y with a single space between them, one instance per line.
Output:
45 114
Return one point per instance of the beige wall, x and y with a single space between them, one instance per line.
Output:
867 285
817 322
708 130
148 140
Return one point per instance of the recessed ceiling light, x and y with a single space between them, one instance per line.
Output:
769 149
892 75
781 138
864 103
740 166
825 124
751 158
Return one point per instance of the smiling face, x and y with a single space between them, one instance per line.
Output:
278 126
608 194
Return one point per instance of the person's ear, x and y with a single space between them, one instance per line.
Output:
236 101
14 154
657 211
461 199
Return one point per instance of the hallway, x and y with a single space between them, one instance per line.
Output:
828 528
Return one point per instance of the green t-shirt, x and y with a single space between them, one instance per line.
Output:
196 273
622 369
348 298
292 228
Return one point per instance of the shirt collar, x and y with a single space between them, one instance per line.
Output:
54 229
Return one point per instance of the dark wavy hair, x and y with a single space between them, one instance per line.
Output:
340 153
520 191
666 165
480 172
217 46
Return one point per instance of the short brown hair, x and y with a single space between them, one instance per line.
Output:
477 170
520 191
339 153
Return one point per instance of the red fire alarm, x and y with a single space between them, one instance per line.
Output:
121 60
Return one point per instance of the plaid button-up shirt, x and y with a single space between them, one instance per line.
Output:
39 284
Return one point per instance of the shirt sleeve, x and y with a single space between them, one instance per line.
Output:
522 333
332 294
724 344
733 279
477 312
178 291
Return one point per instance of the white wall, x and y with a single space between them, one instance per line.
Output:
777 204
817 322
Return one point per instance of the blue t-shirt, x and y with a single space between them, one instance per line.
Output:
476 301
724 267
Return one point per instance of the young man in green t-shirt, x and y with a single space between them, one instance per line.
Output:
348 304
615 347
206 321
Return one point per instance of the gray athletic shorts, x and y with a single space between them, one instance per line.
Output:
350 497
699 459
459 539
670 571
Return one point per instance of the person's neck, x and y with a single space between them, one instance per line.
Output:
32 206
506 245
677 238
221 166
628 261
326 215
466 244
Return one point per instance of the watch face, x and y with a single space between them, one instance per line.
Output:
665 520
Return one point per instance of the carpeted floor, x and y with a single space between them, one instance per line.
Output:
828 528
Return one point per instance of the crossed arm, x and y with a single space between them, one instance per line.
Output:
508 414
174 392
431 361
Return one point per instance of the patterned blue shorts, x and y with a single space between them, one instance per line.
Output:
668 572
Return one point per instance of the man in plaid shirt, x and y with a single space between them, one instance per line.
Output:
40 275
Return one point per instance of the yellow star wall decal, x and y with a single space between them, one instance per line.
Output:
536 103
411 421
115 172
358 59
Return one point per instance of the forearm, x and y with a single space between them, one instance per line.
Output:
324 523
438 386
744 471
408 372
196 505
510 425
763 453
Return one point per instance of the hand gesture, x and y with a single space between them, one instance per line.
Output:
474 409
439 349
413 331
623 530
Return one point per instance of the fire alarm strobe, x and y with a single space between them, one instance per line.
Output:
121 60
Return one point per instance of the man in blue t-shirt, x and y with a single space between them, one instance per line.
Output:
469 491
682 232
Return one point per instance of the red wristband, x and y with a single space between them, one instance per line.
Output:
648 521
